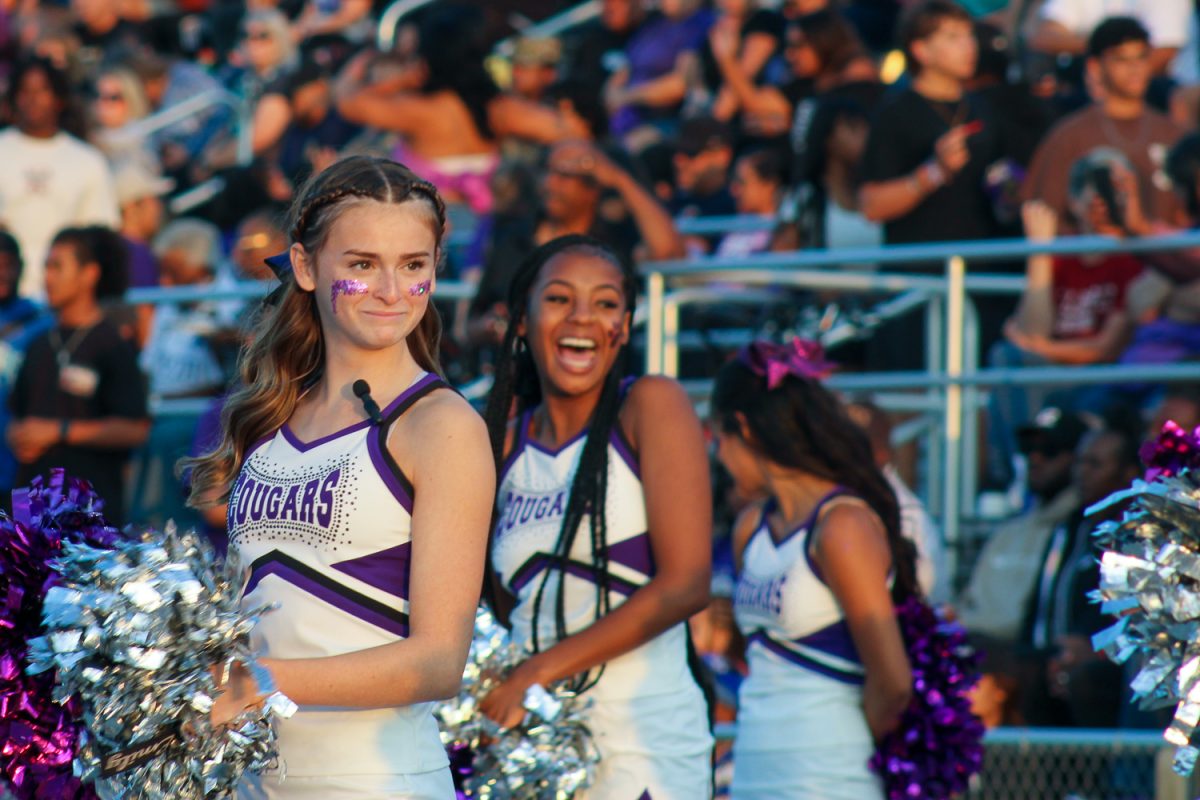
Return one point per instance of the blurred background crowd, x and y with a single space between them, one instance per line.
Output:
157 143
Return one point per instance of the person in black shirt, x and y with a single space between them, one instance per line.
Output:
596 49
927 155
79 400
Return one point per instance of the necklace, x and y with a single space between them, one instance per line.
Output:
63 352
952 120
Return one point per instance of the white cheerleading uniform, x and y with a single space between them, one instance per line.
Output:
325 528
801 732
648 715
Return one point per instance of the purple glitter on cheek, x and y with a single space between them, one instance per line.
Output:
345 287
418 289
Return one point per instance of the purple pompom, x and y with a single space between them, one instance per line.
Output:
1171 452
39 735
938 744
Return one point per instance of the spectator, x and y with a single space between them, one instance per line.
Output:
178 357
451 124
758 183
270 55
21 320
535 65
1000 587
184 147
577 177
915 523
596 49
101 28
48 178
1063 26
927 155
1118 65
828 166
702 159
1062 616
258 237
120 101
824 55
316 132
647 95
348 20
1179 403
1073 310
139 194
751 36
79 401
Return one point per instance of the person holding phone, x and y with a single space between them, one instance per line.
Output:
926 159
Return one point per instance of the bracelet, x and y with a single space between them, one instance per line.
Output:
933 173
64 426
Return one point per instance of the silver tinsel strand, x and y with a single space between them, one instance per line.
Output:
550 756
1150 580
136 633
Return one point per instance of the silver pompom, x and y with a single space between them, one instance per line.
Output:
1150 581
135 635
550 756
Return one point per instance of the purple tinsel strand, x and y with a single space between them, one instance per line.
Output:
938 744
40 735
1171 452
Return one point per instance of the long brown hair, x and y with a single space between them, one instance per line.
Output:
286 350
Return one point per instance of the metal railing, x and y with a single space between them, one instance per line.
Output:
952 378
160 120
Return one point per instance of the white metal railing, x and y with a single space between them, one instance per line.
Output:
160 120
952 378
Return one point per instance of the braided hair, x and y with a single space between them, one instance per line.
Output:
286 351
802 425
517 380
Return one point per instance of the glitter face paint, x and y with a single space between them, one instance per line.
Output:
418 289
345 287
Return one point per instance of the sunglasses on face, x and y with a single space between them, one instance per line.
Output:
111 98
257 36
566 173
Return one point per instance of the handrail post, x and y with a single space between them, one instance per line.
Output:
971 406
655 291
670 350
956 270
934 339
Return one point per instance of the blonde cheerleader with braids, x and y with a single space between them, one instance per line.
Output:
365 522
600 551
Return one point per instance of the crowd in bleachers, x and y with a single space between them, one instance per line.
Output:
847 123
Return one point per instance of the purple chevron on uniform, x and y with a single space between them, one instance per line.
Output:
386 570
634 553
646 795
834 639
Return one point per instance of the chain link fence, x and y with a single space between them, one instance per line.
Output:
1061 764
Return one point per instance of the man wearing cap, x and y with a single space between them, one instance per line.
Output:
998 593
139 194
1084 688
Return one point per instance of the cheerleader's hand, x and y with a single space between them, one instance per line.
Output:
505 705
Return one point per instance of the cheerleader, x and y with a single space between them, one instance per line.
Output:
820 562
601 545
365 525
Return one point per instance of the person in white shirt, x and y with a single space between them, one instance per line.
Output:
916 524
49 180
1063 26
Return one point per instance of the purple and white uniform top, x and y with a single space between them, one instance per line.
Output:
325 528
534 486
801 730
648 715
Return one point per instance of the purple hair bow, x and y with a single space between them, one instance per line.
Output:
280 264
803 358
